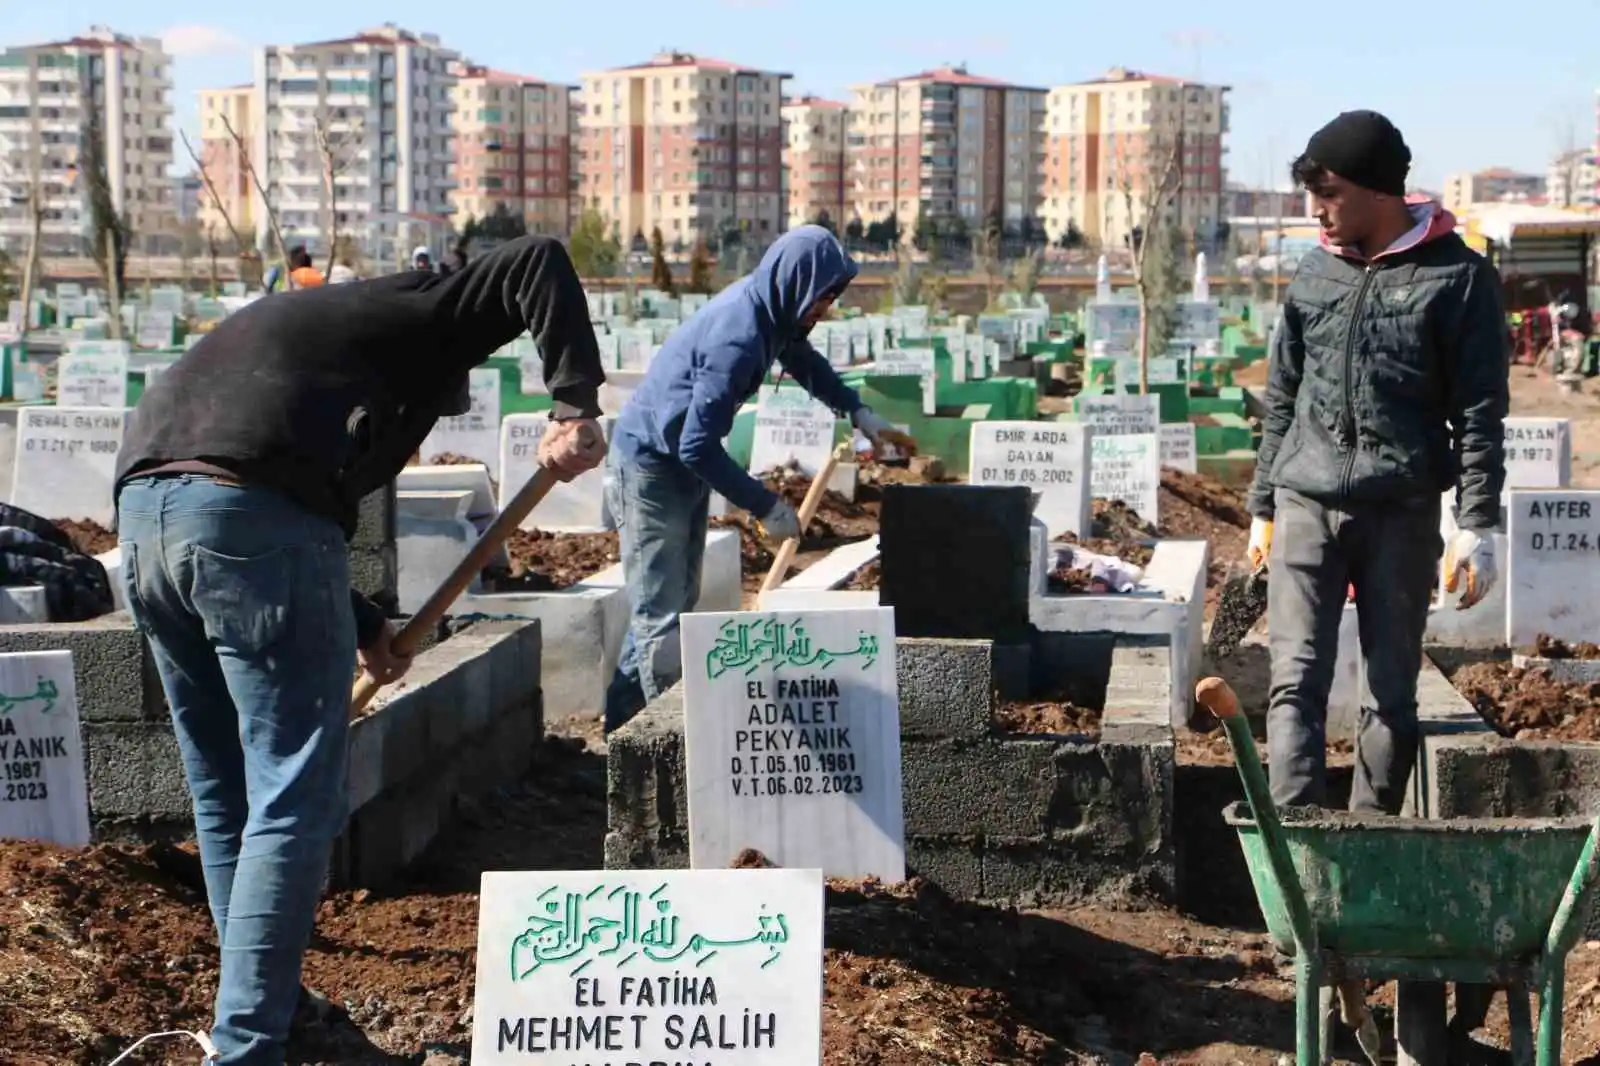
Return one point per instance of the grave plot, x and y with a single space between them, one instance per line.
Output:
549 562
839 520
1538 696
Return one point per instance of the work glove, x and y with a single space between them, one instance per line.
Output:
878 430
781 523
572 446
1260 543
1468 553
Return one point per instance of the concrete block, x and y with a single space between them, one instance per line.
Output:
24 605
433 535
946 688
647 798
375 573
116 678
835 568
135 771
1139 686
954 865
582 627
467 477
993 788
956 560
375 521
1566 671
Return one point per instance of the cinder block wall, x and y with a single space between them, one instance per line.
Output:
987 816
374 565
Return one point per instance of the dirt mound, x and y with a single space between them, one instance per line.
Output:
87 535
837 521
1114 520
547 562
1194 506
1548 647
869 577
1529 704
1053 715
453 459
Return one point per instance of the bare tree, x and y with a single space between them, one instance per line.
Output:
261 191
334 152
215 197
30 265
1148 185
986 257
110 230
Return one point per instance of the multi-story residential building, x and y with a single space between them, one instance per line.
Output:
817 181
688 143
378 105
225 159
945 144
513 147
1574 179
1110 141
1239 201
52 97
1494 185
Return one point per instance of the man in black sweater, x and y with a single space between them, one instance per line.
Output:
238 486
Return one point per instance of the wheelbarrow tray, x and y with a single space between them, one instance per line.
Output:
1466 890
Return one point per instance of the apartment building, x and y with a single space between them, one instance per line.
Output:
1494 185
225 160
816 178
1110 138
944 144
513 147
52 96
381 103
1574 179
1240 201
685 142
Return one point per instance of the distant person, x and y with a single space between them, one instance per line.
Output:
343 273
1387 386
301 271
422 258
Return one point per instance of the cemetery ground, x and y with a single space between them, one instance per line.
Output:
114 941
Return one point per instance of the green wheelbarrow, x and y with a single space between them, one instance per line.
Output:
1355 897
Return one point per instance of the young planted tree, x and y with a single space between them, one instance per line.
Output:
594 249
267 207
660 269
986 258
1148 184
110 232
334 152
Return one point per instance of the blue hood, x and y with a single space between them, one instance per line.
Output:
684 408
800 268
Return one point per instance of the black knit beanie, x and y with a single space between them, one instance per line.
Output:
1363 147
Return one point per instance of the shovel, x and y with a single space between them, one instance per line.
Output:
450 589
808 509
1239 608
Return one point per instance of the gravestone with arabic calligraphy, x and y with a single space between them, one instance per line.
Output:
712 967
791 426
43 791
93 374
1177 447
1127 467
792 727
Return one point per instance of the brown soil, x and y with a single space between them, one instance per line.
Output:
106 944
1114 520
548 562
837 521
1548 647
1203 420
455 459
1053 716
88 536
867 579
1198 507
1529 704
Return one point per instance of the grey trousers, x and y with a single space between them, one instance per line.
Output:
1390 553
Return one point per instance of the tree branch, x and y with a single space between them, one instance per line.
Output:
211 190
266 204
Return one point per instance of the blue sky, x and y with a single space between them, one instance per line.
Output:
1470 88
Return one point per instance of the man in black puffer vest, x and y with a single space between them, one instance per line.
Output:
1387 387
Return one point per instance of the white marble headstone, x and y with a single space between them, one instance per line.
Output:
791 425
1538 453
911 362
1127 467
575 506
43 789
649 966
1051 458
93 378
792 727
66 461
1116 413
475 434
1553 537
1177 446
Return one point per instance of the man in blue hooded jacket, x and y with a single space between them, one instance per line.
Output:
667 455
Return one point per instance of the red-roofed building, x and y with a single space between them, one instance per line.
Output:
817 179
50 95
688 143
513 147
1108 140
945 143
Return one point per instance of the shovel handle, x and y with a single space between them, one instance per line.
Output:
1216 696
808 511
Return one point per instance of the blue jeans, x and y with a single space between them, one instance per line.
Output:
661 509
244 598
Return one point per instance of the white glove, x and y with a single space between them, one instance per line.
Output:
781 523
1472 555
1260 543
881 431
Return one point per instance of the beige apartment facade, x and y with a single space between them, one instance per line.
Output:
817 178
945 144
513 147
1110 139
1495 185
226 196
691 144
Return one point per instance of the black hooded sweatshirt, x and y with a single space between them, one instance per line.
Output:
323 394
